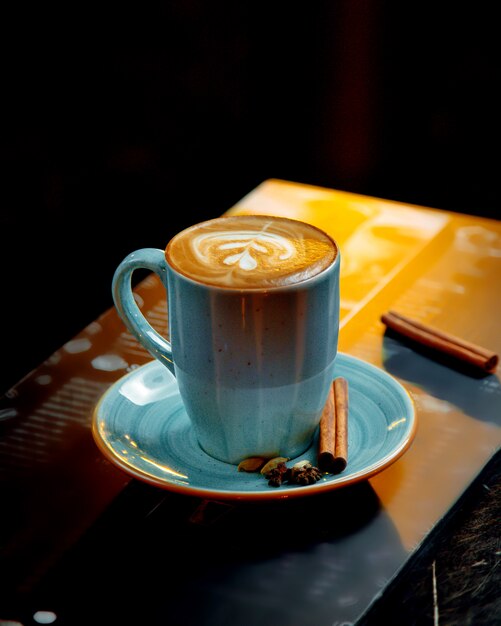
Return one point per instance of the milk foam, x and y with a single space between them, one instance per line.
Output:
251 251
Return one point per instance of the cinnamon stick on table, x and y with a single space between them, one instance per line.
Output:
445 343
333 445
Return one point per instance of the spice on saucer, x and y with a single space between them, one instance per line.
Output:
252 464
441 342
304 473
273 463
276 471
333 443
277 474
301 473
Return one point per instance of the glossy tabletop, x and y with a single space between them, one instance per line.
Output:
328 556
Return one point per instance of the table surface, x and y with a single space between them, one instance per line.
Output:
76 529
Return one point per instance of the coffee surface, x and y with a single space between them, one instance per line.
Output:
251 252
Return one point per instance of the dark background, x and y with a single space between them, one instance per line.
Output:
121 126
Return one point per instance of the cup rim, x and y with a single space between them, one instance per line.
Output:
260 289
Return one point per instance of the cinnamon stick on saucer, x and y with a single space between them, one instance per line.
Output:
445 343
333 445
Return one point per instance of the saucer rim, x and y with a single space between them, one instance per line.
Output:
285 492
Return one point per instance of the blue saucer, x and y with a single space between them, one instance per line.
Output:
140 425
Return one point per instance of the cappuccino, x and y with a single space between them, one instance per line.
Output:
253 305
251 252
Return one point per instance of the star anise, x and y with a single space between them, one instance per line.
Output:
304 473
277 475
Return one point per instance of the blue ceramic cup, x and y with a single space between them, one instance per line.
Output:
253 310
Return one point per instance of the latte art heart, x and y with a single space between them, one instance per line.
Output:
251 251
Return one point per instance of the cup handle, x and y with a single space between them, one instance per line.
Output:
151 259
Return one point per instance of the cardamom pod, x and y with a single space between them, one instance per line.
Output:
252 464
301 465
272 464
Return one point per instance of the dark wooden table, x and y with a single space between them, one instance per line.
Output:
83 542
